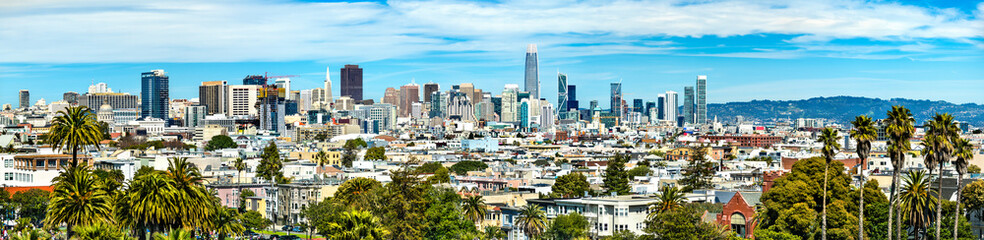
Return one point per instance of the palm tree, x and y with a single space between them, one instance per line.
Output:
899 129
193 201
353 225
532 220
358 193
78 199
99 231
33 234
240 166
474 208
174 234
493 233
321 157
964 151
226 222
151 200
916 202
943 132
830 147
73 129
669 198
863 133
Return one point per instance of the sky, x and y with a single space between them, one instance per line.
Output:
749 49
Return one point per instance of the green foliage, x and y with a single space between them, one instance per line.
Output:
570 226
683 223
404 217
492 232
243 195
532 220
31 234
765 234
220 142
570 186
639 171
541 162
174 234
31 204
699 171
354 225
669 198
78 199
73 129
270 163
916 204
463 167
429 167
616 178
253 220
99 231
375 153
972 198
355 143
964 232
359 193
973 169
474 208
622 235
444 218
440 176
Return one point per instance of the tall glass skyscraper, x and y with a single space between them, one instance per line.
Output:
154 94
701 99
351 81
637 105
572 98
562 95
688 104
616 101
532 82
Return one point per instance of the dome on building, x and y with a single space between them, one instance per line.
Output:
105 107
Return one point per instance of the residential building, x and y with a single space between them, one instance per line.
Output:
195 116
670 108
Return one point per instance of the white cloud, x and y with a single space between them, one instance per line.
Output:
61 31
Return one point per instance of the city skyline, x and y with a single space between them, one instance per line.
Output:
930 51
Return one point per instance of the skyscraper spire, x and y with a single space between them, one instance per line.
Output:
327 98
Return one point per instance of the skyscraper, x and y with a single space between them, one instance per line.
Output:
409 94
391 96
194 116
532 82
283 84
327 91
213 96
509 103
649 105
351 82
701 99
616 101
637 105
154 96
562 95
670 110
661 107
572 98
468 90
71 97
25 98
688 104
254 80
430 88
242 99
100 88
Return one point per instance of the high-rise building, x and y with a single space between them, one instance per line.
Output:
409 94
284 85
649 105
254 80
661 107
593 104
326 96
523 113
71 97
616 101
195 116
25 98
688 104
671 102
344 103
460 106
701 99
154 96
532 81
572 98
213 96
468 89
562 95
637 105
436 109
351 78
510 94
115 100
391 96
99 88
306 100
430 88
242 99
272 108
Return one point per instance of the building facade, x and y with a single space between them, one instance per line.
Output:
154 95
212 95
351 78
532 81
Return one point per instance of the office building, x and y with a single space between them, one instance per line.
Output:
460 107
115 100
701 110
391 96
242 100
650 105
305 100
255 80
100 88
283 84
671 104
326 95
467 89
532 81
523 113
409 94
272 108
436 109
154 96
430 88
510 95
572 98
661 106
71 97
547 116
616 98
637 105
344 103
688 104
195 116
213 96
351 78
562 95
25 99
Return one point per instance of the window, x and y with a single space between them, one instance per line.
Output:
621 212
738 223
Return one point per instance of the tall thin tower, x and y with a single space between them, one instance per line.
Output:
532 82
328 99
702 99
562 95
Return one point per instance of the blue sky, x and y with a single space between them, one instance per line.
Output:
749 49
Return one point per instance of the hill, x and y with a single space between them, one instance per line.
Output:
843 109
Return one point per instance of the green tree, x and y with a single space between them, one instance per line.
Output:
571 185
492 232
699 171
244 194
150 200
240 166
405 194
359 193
766 234
429 167
253 220
569 226
900 129
463 167
174 234
99 231
226 222
973 169
532 220
444 216
353 225
321 158
669 198
220 142
32 204
73 129
442 175
375 153
78 199
616 178
639 171
831 146
684 223
964 151
941 134
963 230
193 201
622 235
32 234
973 198
474 208
863 133
916 201
270 163
348 153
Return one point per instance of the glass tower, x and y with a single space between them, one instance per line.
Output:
154 94
532 82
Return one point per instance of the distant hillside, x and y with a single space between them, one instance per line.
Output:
843 109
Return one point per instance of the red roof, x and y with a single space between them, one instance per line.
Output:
13 190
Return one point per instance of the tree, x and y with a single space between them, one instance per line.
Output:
150 200
430 167
899 129
616 178
442 175
405 194
348 155
193 201
699 171
78 199
353 225
32 234
916 202
532 220
941 135
174 234
376 153
684 223
243 195
973 169
226 222
73 129
829 139
359 193
445 218
639 171
623 235
463 167
270 163
474 208
32 204
99 231
964 151
570 186
669 198
220 142
569 226
962 230
321 158
253 220
863 133
973 198
492 233
240 166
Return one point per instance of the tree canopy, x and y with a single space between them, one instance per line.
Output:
463 167
570 186
220 142
616 178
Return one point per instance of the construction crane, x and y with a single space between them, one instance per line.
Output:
283 76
